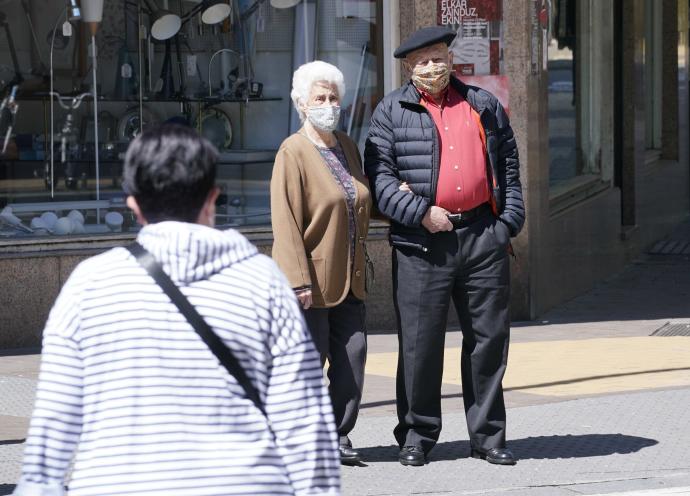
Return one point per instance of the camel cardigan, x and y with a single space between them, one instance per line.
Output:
311 239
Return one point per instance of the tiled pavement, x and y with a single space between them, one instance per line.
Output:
595 404
623 441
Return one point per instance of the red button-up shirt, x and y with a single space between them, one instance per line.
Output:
462 181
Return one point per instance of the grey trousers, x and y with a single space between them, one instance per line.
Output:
339 334
469 266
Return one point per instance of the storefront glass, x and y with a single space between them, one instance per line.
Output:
580 89
230 80
653 58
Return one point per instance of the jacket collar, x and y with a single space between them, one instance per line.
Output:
410 94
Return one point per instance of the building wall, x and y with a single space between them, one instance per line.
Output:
32 276
528 119
567 247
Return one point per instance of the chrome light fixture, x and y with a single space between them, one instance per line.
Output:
214 11
92 14
74 13
284 4
166 24
71 12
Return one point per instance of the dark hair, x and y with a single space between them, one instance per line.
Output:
170 171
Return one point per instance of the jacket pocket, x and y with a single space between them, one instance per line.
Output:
501 232
409 237
406 244
317 272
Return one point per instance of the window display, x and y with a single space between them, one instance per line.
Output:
581 93
222 66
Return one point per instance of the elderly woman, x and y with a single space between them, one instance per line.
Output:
320 206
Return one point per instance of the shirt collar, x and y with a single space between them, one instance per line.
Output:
427 99
448 94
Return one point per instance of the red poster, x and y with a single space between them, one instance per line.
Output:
499 86
453 11
464 69
479 43
494 54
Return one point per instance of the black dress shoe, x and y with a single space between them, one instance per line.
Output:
349 456
412 455
497 456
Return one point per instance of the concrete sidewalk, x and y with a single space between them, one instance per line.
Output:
596 404
589 446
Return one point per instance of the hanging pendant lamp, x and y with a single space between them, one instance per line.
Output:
284 4
92 14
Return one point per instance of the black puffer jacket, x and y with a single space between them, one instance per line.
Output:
403 146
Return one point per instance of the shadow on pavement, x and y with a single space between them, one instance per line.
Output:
6 489
578 446
20 352
12 441
530 448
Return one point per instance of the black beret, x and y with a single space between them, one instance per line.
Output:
424 37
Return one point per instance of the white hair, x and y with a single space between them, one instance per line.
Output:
312 72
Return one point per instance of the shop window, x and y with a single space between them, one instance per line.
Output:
653 58
240 101
580 91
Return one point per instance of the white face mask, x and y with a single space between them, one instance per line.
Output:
324 118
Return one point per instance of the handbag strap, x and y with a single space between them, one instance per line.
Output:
215 344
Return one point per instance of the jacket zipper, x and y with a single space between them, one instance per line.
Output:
434 165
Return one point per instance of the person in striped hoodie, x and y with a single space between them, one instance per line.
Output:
131 401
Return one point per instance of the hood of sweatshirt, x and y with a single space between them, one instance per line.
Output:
192 252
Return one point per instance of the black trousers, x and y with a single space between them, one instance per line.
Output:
339 334
469 266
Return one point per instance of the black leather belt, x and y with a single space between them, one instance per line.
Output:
462 219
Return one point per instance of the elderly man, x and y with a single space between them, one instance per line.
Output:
443 166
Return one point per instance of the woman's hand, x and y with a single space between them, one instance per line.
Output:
405 187
304 297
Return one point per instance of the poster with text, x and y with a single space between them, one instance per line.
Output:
478 47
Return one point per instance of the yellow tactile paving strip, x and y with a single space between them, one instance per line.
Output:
576 368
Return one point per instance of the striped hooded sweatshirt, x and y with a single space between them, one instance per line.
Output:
134 398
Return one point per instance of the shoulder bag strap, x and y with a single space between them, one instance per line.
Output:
215 344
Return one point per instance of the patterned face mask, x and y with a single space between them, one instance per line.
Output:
432 78
324 118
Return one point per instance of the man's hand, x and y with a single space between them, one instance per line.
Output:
435 220
304 297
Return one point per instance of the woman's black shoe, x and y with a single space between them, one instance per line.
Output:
349 456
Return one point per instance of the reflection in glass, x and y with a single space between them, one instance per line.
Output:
562 109
247 119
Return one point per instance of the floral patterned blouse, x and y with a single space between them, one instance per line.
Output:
337 164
